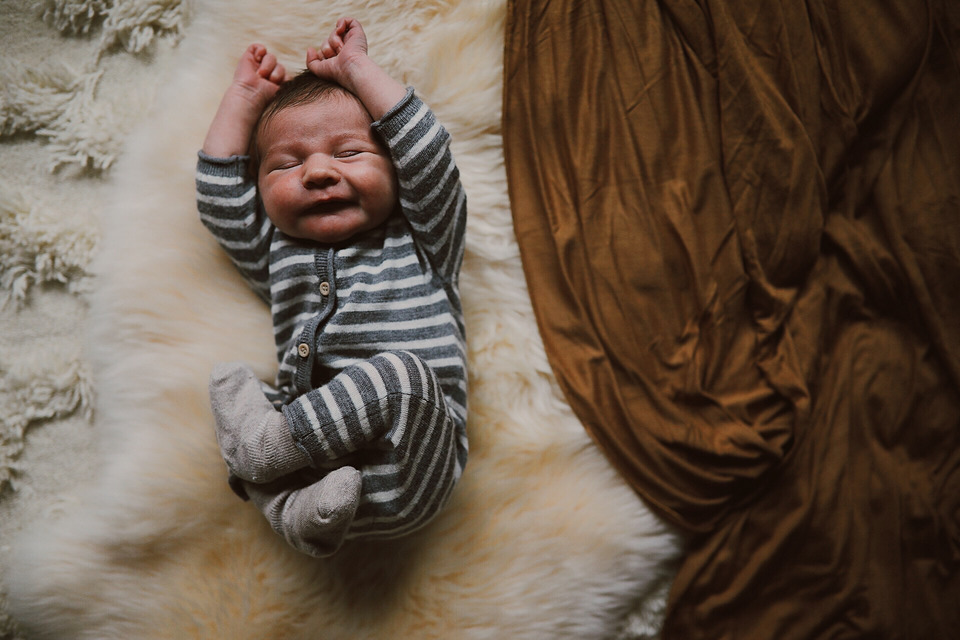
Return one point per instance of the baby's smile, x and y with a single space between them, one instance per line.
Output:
324 176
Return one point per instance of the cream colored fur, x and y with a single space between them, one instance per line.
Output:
541 539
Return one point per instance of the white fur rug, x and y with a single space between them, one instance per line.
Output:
541 538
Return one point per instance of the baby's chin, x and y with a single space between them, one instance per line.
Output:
331 227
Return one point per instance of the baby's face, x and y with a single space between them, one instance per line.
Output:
323 174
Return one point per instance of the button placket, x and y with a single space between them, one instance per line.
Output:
324 265
307 346
304 350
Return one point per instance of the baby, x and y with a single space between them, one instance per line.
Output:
348 218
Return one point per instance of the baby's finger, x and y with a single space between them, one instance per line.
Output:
352 33
278 75
257 51
351 26
267 65
343 25
314 61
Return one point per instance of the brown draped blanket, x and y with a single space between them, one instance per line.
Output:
740 226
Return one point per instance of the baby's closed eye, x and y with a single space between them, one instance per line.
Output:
283 165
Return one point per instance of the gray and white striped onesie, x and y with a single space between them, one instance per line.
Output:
370 333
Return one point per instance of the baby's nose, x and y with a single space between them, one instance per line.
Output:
319 171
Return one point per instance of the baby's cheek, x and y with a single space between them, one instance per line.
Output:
276 203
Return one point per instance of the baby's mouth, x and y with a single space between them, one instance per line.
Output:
328 207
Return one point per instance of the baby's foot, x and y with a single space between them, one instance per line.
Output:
314 519
253 436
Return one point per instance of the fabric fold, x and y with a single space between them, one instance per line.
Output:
740 227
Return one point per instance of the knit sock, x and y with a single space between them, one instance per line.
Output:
315 518
254 438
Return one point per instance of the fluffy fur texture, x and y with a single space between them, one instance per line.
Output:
32 391
541 539
56 103
130 24
37 247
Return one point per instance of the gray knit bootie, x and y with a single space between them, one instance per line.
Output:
254 438
312 519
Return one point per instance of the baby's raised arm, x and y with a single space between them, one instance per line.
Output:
255 82
343 59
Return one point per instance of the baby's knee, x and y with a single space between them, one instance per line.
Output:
403 372
399 361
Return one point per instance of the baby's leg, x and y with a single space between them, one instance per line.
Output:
312 518
392 410
253 436
412 480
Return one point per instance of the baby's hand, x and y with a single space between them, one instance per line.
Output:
255 82
343 59
339 56
258 75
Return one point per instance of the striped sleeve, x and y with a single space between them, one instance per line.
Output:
229 209
431 195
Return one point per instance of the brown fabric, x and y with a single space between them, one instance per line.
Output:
740 226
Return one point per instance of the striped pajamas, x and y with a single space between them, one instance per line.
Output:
369 334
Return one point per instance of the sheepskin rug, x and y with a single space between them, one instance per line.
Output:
541 539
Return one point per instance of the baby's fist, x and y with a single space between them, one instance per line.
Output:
259 72
338 54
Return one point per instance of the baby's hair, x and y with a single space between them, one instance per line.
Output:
303 88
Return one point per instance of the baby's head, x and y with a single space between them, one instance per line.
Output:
322 173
